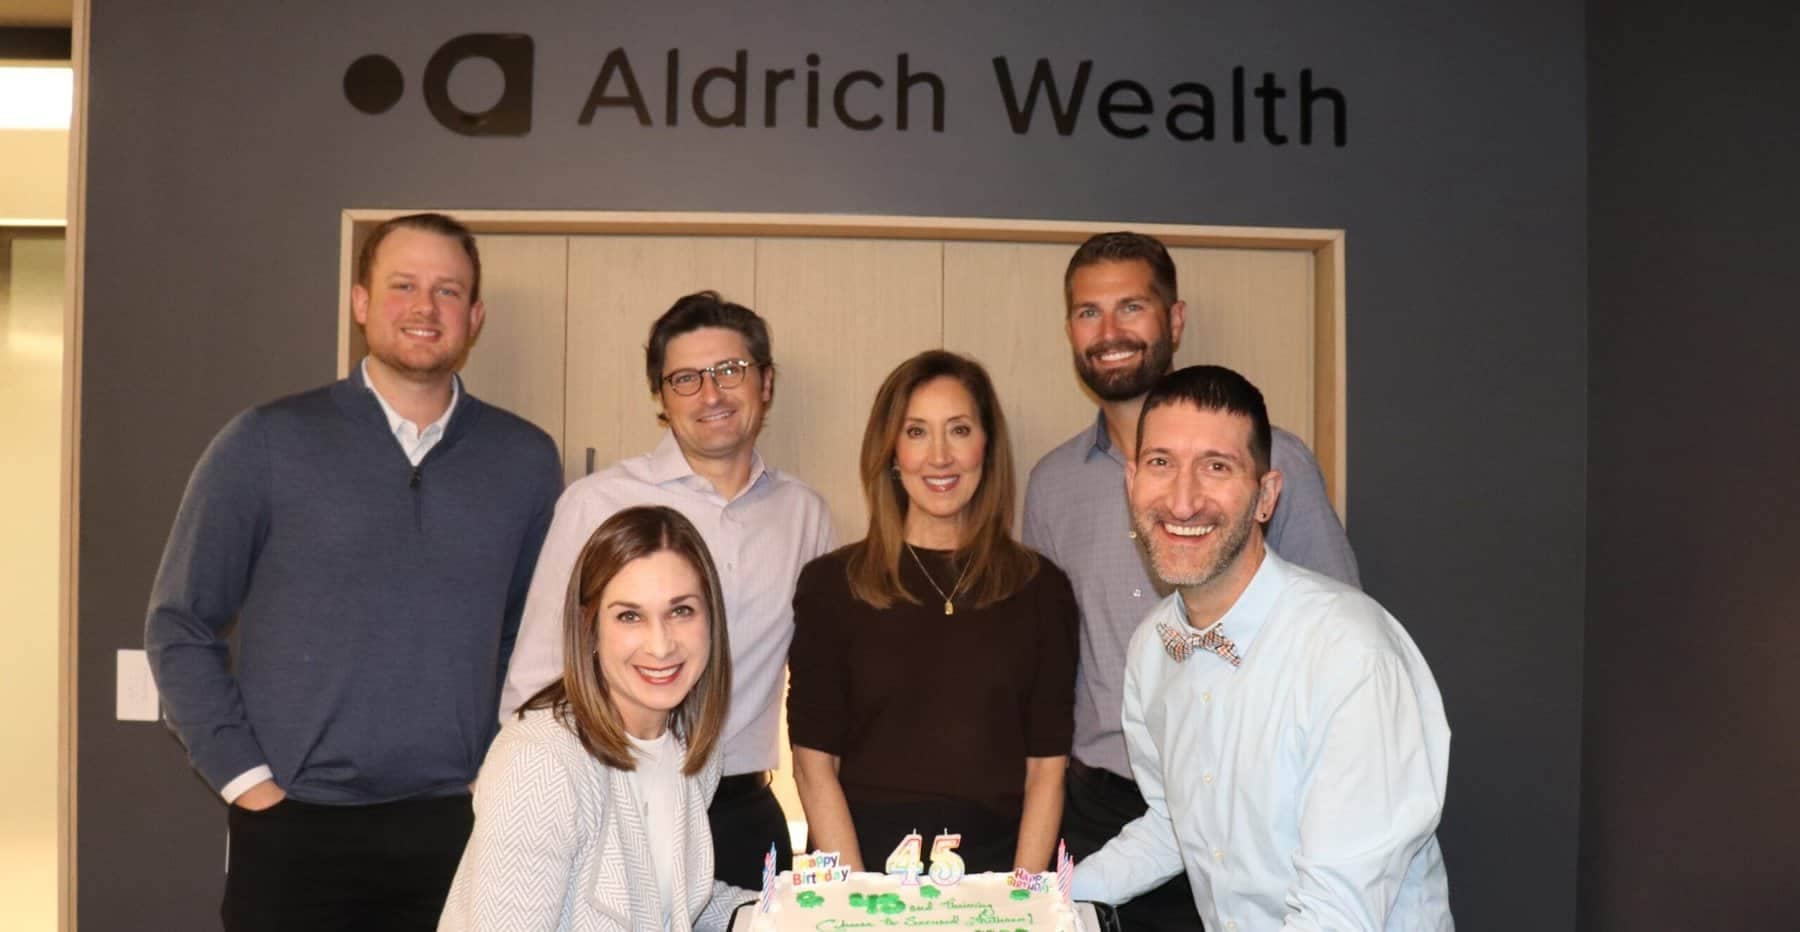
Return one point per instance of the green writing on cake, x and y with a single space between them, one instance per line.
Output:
914 919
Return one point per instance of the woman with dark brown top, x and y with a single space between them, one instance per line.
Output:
933 662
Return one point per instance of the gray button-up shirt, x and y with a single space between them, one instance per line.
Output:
1076 514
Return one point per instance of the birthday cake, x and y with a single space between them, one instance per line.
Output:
820 895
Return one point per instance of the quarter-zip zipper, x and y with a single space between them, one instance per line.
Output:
418 473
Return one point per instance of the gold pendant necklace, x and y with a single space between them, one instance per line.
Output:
949 599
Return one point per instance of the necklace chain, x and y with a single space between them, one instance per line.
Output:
950 597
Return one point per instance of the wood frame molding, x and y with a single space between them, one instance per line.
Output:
1326 246
68 627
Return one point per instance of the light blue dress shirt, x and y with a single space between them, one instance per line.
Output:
1301 790
1076 514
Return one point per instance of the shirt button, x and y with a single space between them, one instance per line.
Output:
1206 696
1206 777
1218 855
1230 926
1137 593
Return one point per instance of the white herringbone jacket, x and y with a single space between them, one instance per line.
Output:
559 843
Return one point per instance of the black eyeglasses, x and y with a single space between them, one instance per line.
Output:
727 374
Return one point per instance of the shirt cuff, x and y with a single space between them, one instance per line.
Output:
245 781
1088 885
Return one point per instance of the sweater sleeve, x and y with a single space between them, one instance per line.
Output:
716 917
548 483
200 585
516 869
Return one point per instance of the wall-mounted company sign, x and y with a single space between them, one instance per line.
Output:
1041 96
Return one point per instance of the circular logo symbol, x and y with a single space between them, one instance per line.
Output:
373 84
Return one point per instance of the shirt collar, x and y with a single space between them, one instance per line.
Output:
667 463
1246 617
1101 443
395 421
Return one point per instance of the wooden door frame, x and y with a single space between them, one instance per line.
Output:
1325 245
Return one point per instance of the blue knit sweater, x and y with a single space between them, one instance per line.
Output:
376 603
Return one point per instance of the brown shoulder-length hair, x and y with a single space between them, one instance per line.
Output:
997 565
582 699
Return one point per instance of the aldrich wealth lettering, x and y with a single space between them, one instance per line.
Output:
1223 104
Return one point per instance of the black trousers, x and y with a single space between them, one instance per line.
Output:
746 819
1096 805
302 866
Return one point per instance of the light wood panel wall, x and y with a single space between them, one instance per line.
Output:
1003 305
1252 310
518 360
842 314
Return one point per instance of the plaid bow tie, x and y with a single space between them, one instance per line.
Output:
1181 645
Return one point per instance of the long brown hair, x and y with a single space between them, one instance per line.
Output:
582 699
997 565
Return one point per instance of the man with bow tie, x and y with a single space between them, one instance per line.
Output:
1285 732
1124 318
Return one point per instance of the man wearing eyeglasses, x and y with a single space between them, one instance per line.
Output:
709 365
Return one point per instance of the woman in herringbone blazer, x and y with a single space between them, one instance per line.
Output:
590 811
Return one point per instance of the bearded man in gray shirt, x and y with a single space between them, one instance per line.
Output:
1124 320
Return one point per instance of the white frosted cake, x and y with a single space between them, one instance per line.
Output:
988 902
821 894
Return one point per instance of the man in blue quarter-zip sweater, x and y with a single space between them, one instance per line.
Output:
373 540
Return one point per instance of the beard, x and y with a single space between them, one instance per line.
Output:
1236 537
1125 384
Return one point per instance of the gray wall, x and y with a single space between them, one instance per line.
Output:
1688 817
221 150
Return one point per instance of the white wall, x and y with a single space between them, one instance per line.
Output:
34 150
34 186
31 347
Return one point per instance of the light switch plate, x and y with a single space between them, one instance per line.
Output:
137 699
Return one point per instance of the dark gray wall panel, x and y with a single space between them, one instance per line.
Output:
1688 814
222 149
